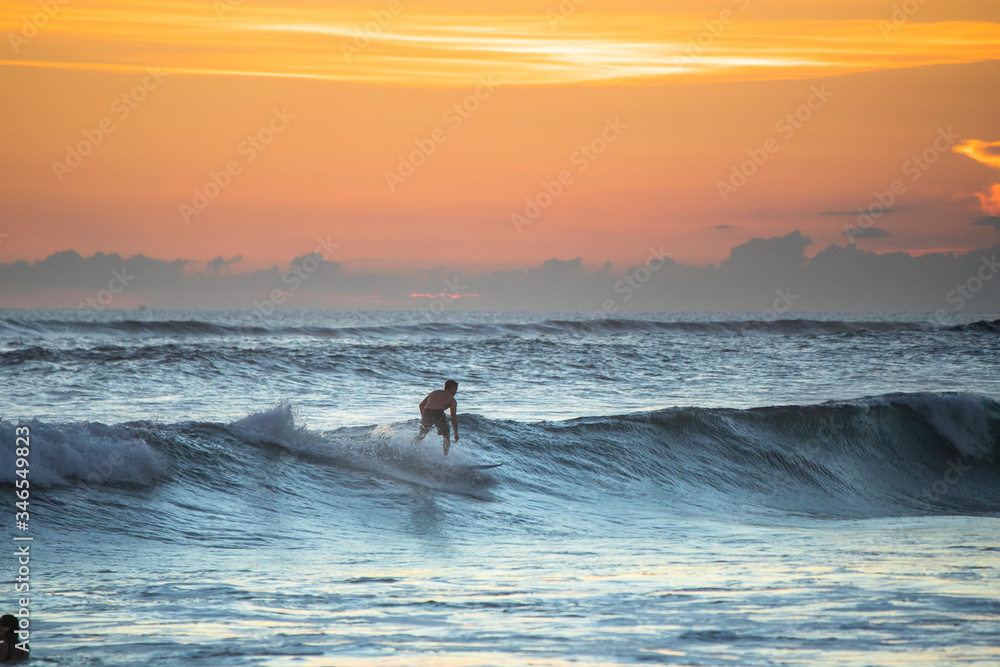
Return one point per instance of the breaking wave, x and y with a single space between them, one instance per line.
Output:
891 455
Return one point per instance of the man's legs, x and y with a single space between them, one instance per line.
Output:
424 430
447 443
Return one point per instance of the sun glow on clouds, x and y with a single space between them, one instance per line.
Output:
987 153
448 50
438 296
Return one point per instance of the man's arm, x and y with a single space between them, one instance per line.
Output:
422 404
454 416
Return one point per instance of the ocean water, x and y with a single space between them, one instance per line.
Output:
223 488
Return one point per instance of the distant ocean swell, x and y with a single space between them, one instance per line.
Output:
893 455
195 328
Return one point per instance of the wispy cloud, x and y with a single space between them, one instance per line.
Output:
868 233
894 209
452 50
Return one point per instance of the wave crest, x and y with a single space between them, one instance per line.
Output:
84 451
896 454
197 328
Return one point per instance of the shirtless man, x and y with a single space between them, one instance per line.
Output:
432 414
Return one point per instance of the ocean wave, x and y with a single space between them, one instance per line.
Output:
980 326
197 328
91 452
885 455
898 454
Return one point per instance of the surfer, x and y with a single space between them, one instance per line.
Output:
432 414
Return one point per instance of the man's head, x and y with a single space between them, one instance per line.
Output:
451 386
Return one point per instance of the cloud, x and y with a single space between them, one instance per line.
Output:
723 227
990 221
778 253
219 264
988 153
867 233
857 213
435 47
67 269
838 278
558 266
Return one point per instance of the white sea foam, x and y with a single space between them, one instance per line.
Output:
82 451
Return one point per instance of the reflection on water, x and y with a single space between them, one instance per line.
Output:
916 591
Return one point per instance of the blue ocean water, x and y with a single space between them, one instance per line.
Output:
226 488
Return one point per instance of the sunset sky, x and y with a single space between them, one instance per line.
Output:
487 135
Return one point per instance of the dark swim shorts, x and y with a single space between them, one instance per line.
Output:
432 418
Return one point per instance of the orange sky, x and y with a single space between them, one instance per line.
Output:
304 124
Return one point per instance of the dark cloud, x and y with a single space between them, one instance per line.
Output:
558 266
67 269
867 233
768 254
723 227
753 278
219 264
989 221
